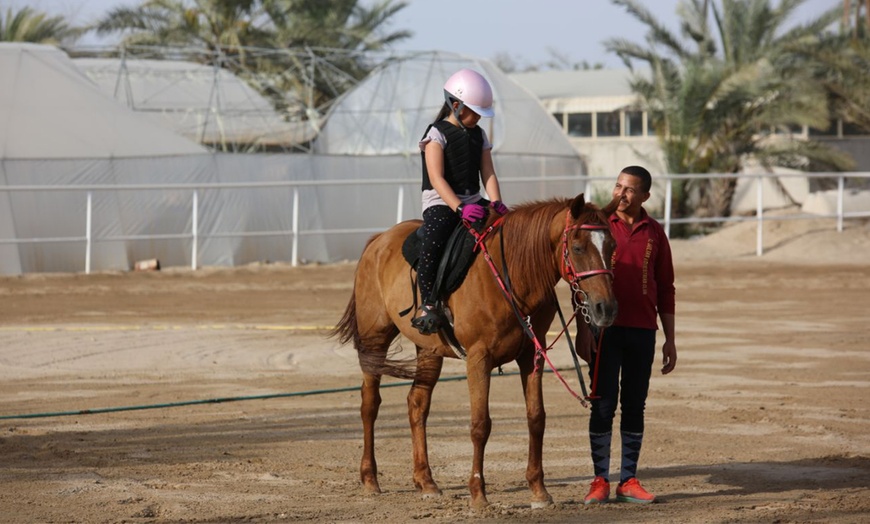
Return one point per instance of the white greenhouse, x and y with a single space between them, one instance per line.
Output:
86 183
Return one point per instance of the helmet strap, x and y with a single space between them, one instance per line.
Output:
456 110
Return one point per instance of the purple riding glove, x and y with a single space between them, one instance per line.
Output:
499 207
471 212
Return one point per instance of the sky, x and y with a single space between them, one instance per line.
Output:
529 32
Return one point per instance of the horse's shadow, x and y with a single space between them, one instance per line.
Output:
746 478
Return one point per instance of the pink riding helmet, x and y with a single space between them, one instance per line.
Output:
470 88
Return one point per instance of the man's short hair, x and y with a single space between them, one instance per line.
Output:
642 174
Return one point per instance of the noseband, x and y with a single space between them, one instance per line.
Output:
569 273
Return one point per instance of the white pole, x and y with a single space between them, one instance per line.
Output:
88 242
294 256
195 228
401 205
841 184
668 192
759 213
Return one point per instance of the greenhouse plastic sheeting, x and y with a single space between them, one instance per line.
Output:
61 138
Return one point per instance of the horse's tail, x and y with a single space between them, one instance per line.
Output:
373 362
347 329
382 364
376 360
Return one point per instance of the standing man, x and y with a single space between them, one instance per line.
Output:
643 281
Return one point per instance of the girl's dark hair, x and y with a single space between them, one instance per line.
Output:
446 109
642 174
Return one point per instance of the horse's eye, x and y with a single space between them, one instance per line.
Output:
576 249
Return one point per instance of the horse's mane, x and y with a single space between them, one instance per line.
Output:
527 239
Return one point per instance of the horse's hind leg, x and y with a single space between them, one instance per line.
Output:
372 353
419 401
371 403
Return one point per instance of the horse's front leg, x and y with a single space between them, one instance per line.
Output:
537 420
478 370
371 403
419 401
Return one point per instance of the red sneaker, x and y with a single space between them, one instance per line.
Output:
632 491
599 491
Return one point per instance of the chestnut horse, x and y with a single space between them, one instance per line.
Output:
543 242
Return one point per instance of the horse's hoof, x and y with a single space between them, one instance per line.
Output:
428 489
479 505
542 504
371 488
431 494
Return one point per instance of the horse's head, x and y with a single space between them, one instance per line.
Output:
587 250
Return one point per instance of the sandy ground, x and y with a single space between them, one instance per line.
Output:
765 419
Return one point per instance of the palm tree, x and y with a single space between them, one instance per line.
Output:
212 24
273 44
715 97
841 62
28 25
336 24
335 35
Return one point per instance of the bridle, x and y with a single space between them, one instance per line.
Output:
569 272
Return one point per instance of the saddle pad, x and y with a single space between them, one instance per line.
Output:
456 259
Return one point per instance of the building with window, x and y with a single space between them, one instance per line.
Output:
599 113
601 117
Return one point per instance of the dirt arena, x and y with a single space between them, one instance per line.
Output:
766 418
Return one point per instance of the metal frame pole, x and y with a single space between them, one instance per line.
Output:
759 212
88 235
841 186
295 256
401 204
195 231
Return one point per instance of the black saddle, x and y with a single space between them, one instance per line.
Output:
453 267
456 258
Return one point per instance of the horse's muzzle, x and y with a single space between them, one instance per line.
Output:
603 312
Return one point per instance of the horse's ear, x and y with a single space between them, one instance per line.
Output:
577 206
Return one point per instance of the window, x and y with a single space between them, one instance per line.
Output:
560 119
608 124
580 124
633 123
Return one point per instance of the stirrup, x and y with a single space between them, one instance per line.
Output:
430 320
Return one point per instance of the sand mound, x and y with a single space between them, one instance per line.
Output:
788 237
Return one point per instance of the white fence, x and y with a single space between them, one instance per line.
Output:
401 186
839 214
